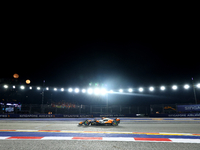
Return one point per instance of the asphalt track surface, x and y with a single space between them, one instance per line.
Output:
132 133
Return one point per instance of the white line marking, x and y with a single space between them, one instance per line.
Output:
56 138
185 140
118 139
4 137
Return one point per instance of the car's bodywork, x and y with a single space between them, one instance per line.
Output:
103 121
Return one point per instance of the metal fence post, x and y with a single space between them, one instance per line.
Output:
90 109
80 109
30 109
56 110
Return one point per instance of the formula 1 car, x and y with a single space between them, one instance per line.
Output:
103 121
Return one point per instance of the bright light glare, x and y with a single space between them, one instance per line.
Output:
22 87
130 90
186 86
96 91
47 88
120 90
83 90
38 88
111 91
90 91
55 89
13 86
30 87
62 89
151 89
5 86
76 90
70 89
103 91
141 89
174 87
162 88
198 85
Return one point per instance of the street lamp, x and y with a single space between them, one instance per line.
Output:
22 87
76 90
5 86
70 90
141 89
96 91
151 89
198 85
90 91
28 81
103 91
83 90
111 91
186 86
162 88
121 90
130 90
174 87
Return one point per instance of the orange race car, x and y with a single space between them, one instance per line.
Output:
102 121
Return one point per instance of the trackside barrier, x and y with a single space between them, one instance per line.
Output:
91 116
59 116
176 115
42 116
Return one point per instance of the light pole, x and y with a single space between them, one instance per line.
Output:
195 97
107 102
43 95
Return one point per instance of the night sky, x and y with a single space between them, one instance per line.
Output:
120 56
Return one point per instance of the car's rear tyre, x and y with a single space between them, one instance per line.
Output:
114 123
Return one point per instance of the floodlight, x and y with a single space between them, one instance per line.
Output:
186 86
76 90
22 87
30 87
111 91
151 89
103 91
174 87
70 89
62 89
198 85
47 88
121 90
141 89
90 91
5 86
162 88
38 88
55 89
96 91
13 86
130 90
83 90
